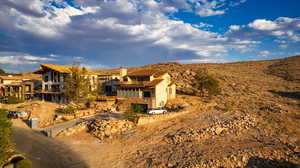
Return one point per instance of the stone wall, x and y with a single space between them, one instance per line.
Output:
108 128
73 130
147 119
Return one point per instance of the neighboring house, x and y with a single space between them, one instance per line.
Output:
149 88
108 80
53 78
21 87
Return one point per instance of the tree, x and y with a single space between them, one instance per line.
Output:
2 72
203 82
77 84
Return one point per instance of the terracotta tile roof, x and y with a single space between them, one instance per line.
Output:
140 84
11 77
153 83
61 69
147 72
21 77
172 83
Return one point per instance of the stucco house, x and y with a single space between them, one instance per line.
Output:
21 87
53 78
149 88
109 79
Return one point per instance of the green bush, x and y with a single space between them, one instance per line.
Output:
133 113
10 100
131 116
25 163
6 146
137 108
13 100
204 82
228 107
68 110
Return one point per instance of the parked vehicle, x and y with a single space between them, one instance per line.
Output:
12 115
22 114
156 111
17 114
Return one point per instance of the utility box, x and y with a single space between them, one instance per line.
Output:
34 123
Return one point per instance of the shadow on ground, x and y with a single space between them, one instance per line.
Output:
45 152
293 95
266 163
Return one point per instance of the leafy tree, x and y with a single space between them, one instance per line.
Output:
77 84
2 72
203 82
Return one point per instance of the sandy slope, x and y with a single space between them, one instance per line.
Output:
256 123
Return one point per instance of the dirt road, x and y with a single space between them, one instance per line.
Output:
45 152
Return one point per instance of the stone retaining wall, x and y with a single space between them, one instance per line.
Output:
147 119
73 130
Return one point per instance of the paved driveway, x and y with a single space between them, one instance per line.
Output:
68 124
45 152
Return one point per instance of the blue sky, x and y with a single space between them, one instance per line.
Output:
114 33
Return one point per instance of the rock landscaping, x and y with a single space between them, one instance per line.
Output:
219 127
108 128
73 130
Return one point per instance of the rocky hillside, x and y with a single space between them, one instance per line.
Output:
288 68
254 123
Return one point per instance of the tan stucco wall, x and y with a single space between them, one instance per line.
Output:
172 91
161 92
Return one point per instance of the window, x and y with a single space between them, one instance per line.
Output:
46 78
143 78
147 94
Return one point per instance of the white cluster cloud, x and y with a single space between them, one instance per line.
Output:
285 30
202 8
264 53
262 24
21 58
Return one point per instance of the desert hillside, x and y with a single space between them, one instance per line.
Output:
254 121
288 68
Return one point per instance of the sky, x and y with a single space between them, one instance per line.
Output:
121 33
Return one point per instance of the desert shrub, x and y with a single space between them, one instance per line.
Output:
204 82
228 107
6 146
10 100
137 108
13 100
25 163
67 110
131 116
